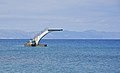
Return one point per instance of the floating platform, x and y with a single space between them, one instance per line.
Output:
42 45
35 41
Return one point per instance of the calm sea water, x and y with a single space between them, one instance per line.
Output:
61 56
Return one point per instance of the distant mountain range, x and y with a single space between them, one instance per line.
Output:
90 34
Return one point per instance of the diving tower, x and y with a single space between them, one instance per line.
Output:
35 41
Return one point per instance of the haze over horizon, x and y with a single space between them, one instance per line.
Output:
72 15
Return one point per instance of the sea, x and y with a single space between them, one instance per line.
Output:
60 56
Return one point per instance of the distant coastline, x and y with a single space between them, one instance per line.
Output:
18 34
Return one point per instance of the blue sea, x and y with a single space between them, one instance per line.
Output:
61 56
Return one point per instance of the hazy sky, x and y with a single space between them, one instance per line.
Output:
75 15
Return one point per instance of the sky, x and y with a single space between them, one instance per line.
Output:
73 15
